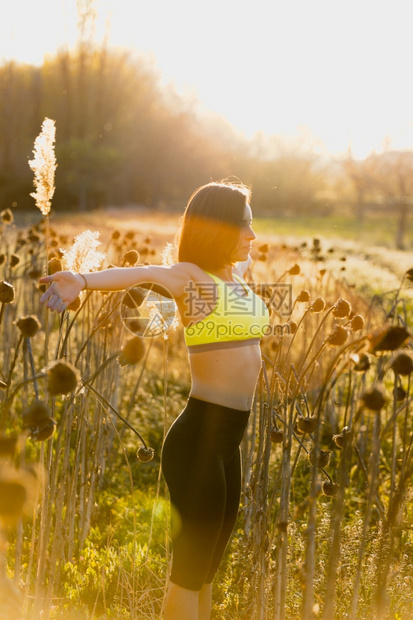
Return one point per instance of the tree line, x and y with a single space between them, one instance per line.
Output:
123 138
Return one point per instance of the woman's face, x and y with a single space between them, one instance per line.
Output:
247 236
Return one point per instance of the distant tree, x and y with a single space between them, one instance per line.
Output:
394 183
384 179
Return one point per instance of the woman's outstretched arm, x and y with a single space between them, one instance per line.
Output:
65 285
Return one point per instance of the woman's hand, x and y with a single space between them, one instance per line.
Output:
65 287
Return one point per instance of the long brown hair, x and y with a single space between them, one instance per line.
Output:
211 224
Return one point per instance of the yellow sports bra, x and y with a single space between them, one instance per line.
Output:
235 320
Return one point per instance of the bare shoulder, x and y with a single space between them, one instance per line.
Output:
174 277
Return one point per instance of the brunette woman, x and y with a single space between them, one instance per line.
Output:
223 323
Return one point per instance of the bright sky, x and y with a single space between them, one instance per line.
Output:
339 70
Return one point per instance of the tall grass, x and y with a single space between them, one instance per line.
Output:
325 528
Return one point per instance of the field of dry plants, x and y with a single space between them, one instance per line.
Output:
326 524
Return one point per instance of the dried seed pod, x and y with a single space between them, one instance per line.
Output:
6 217
282 526
75 304
145 454
36 414
14 260
277 435
357 323
338 336
307 425
28 325
54 265
323 458
341 308
18 488
132 352
34 237
294 270
131 257
318 305
342 437
133 297
374 398
388 338
115 235
44 432
35 273
6 292
292 327
129 235
296 429
409 274
304 295
361 361
62 378
329 488
401 393
402 364
263 247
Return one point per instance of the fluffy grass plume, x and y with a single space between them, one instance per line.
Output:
82 255
44 165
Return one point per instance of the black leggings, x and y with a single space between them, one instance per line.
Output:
202 467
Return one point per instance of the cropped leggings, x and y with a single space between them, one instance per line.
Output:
202 467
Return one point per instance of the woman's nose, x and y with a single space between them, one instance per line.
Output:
251 234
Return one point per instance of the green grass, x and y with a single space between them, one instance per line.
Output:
377 229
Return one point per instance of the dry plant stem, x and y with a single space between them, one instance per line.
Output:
372 490
327 385
394 444
281 576
247 446
130 479
308 594
43 532
386 543
138 382
115 411
337 515
310 346
260 505
405 450
13 362
158 481
28 346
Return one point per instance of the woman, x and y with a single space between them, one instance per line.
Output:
223 323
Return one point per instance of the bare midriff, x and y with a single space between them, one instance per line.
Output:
226 376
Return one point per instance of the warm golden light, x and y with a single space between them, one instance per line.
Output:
336 72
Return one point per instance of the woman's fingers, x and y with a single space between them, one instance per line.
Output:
54 301
45 279
47 294
51 298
